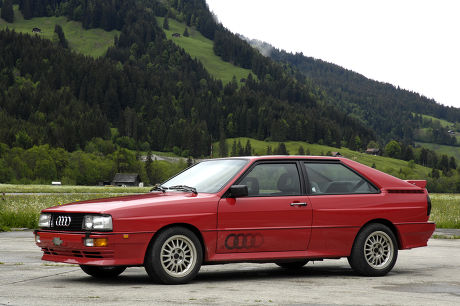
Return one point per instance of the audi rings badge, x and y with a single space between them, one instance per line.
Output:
243 241
63 221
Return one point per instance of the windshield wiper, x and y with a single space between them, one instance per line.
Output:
184 188
158 187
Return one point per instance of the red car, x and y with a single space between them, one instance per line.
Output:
282 209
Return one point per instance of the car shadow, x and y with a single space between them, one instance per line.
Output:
228 275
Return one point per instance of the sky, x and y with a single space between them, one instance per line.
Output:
413 44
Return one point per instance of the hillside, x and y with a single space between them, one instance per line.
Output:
92 42
393 166
201 48
441 149
381 106
155 93
151 91
445 181
437 131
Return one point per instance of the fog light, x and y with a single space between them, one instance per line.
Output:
37 239
95 242
89 242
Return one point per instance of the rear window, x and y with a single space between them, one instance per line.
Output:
335 178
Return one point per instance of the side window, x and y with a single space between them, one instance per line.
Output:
272 180
331 178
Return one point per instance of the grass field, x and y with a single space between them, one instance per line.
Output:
423 136
9 188
446 210
201 48
444 123
22 211
385 164
441 149
93 42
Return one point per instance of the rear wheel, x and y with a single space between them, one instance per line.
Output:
375 251
291 265
174 257
103 272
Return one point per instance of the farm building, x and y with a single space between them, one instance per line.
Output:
126 179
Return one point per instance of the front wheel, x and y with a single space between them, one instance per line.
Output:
375 251
103 272
174 257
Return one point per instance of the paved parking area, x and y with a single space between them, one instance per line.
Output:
423 276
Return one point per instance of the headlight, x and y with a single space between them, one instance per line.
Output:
95 222
44 220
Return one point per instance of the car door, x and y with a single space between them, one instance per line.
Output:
342 201
275 216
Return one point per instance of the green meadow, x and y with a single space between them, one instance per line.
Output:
93 42
201 48
396 167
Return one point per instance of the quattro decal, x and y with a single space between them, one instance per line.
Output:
243 241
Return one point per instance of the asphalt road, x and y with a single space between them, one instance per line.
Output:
423 276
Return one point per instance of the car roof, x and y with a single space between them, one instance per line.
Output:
281 157
381 179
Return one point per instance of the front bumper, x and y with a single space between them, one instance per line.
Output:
126 249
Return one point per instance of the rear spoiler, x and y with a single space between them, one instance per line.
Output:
418 183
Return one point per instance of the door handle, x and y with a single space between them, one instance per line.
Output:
298 204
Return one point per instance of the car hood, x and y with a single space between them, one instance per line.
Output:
119 204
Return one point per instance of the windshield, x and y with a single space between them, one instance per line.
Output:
208 176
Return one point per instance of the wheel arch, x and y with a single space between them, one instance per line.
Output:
188 226
387 223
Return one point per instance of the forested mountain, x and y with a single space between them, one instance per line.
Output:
147 93
150 89
388 110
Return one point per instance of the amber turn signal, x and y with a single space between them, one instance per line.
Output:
96 242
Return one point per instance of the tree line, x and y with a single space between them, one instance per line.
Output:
443 177
96 164
387 109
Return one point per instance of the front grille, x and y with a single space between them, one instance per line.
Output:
75 224
77 253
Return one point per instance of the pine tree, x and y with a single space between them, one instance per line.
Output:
7 12
301 151
234 152
281 149
223 147
269 150
186 32
60 33
27 9
239 149
248 149
166 23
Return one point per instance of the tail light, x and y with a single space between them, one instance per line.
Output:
428 201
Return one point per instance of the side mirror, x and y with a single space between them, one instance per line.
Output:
238 191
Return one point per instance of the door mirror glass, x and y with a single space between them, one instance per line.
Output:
238 191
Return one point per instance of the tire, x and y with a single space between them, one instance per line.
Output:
174 257
375 251
103 272
292 265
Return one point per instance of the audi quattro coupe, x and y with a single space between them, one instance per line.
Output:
282 209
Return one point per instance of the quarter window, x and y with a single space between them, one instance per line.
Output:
272 180
332 178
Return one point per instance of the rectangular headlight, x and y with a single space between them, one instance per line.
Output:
97 223
44 220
